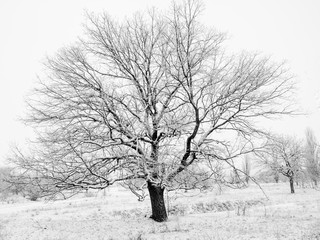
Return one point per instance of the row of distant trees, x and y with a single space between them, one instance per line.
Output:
282 157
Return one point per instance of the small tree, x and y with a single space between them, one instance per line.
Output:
4 173
246 168
312 157
285 156
28 186
146 99
4 186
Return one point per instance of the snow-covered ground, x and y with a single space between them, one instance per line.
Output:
233 214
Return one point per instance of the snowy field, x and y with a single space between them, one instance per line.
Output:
116 214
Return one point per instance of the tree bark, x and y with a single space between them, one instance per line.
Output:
159 212
291 184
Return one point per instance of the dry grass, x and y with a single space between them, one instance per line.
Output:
235 214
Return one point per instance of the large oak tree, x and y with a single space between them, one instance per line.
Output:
144 99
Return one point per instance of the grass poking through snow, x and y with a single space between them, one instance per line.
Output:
234 214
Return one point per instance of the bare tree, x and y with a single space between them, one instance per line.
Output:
145 99
246 168
4 173
312 157
285 156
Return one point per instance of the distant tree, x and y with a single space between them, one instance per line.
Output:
6 186
246 168
285 156
312 156
235 178
146 99
275 175
4 173
29 186
269 174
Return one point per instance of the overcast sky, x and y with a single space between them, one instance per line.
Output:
284 29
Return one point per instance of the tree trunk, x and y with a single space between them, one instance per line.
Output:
276 177
291 184
159 212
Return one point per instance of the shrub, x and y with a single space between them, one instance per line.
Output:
178 209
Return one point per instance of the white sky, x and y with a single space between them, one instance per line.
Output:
284 29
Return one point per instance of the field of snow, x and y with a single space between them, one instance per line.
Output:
116 214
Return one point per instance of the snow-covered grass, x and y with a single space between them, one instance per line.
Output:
234 214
